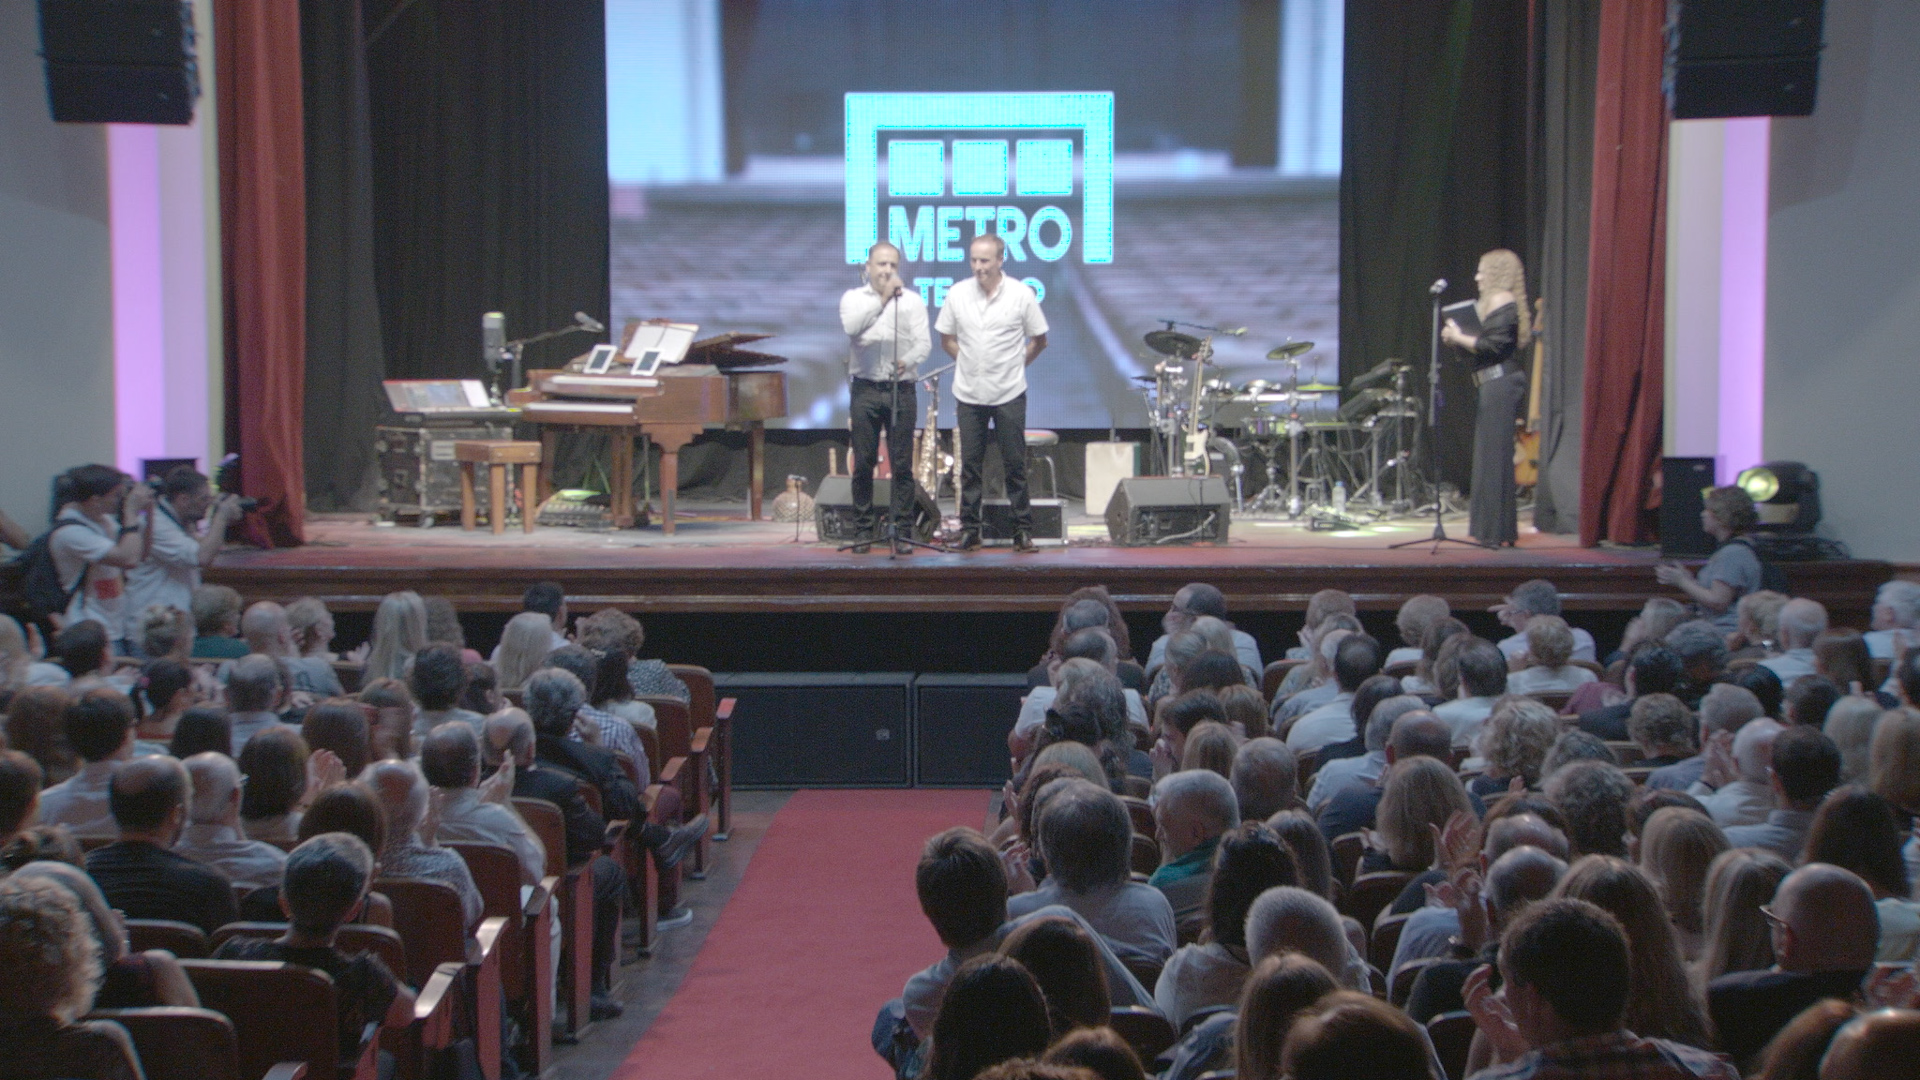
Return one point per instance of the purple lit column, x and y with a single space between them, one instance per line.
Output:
1743 293
139 316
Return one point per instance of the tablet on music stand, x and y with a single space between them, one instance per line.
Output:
648 362
600 360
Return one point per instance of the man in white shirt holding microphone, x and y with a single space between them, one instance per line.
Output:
886 324
992 326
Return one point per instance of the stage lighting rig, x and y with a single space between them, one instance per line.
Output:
1786 494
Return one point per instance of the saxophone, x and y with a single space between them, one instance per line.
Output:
926 460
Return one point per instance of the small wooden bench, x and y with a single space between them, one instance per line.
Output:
497 456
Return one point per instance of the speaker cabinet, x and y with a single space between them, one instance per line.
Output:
1744 58
961 724
119 61
1682 482
821 730
835 522
1049 522
1169 510
1108 463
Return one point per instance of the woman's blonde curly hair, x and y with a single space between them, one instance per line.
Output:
1505 273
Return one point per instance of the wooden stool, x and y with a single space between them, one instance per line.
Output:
498 455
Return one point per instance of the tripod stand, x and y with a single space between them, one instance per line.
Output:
1439 536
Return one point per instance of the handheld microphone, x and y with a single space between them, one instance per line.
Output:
493 338
588 323
1438 287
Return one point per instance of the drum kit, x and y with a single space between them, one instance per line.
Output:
1328 466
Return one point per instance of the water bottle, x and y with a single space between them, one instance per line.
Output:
1340 496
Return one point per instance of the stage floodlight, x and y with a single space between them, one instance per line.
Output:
1785 493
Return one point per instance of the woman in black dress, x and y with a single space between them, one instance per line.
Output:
1504 330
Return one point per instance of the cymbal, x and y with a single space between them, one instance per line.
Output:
1321 388
1290 350
1172 343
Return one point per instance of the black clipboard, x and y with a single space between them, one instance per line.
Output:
1465 315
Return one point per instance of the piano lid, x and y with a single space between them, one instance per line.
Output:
723 351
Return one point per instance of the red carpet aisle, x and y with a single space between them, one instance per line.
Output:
823 929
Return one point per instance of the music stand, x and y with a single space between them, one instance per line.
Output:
1439 536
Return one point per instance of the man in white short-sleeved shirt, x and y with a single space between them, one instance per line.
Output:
993 327
170 566
96 537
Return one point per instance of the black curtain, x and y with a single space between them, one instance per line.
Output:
1566 34
1434 142
345 357
489 135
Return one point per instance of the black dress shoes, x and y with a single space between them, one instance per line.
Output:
1022 543
969 541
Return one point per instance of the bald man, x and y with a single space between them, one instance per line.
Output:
1881 1045
141 875
1435 931
213 837
268 633
1825 933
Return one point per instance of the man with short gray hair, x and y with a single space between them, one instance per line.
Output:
255 693
1192 809
1086 841
1266 778
1896 609
1528 599
212 836
1801 620
1702 650
1725 708
1285 917
450 760
1736 788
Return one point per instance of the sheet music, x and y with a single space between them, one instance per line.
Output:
667 342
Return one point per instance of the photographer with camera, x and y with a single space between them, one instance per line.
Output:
174 552
97 535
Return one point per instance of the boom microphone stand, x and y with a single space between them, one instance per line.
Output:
1439 536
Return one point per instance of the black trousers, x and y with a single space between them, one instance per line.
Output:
872 409
1493 514
1009 422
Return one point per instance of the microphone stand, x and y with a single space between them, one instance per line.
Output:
1439 536
512 350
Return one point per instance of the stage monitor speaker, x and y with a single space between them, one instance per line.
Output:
1169 510
821 730
1682 483
833 517
1744 58
119 61
961 724
1049 522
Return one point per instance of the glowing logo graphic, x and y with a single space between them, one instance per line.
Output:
918 167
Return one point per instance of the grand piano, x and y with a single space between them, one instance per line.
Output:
719 384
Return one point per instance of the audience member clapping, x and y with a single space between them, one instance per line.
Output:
470 811
1735 784
597 725
99 727
1725 708
1566 1006
1177 717
1483 907
1449 906
326 879
1801 621
412 849
1824 932
1676 848
344 808
53 967
339 727
1251 859
141 874
212 835
1086 842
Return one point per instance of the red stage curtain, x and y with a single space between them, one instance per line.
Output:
1627 279
263 252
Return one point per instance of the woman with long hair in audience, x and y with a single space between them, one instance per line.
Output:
1419 795
443 627
36 726
399 631
1246 708
1210 745
1065 961
340 725
1250 860
993 1011
1893 771
1278 990
1856 830
1663 1003
1676 848
1737 938
1312 855
312 627
524 646
390 731
613 693
1850 725
274 763
165 690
